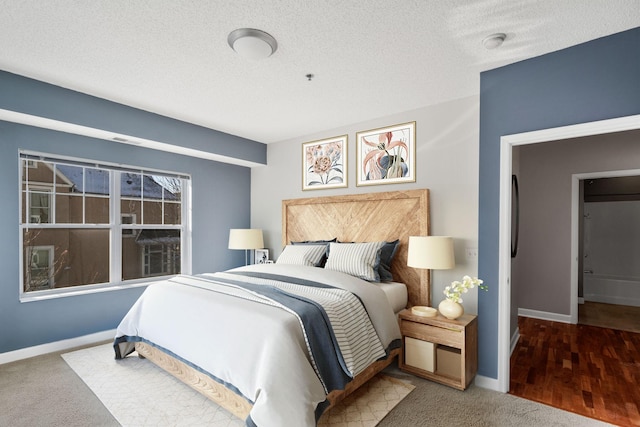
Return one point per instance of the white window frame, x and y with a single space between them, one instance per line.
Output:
115 226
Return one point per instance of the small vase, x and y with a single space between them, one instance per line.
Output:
450 310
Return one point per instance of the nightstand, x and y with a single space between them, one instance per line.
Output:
439 349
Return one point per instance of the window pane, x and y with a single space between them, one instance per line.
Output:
39 207
96 210
171 187
172 213
38 173
68 209
151 253
130 207
71 179
131 185
97 181
152 212
78 257
40 275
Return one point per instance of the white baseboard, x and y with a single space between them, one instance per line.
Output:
486 382
544 315
580 300
38 350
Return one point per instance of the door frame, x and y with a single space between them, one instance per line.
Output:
576 233
507 142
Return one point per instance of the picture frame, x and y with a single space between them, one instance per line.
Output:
324 163
386 155
261 256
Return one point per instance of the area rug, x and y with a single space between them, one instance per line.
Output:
138 393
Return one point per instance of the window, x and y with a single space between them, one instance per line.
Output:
86 225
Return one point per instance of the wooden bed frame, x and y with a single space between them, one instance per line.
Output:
354 218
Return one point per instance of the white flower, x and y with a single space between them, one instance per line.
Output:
456 289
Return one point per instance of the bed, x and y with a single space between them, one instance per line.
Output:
262 357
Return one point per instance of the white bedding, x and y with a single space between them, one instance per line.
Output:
396 294
258 349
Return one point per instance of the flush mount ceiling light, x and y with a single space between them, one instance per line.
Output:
494 40
251 43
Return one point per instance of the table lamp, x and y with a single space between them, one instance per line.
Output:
245 238
432 253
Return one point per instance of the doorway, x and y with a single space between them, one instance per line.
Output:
609 279
506 327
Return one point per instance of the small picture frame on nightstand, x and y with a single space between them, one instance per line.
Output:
261 256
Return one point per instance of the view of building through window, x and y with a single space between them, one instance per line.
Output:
72 214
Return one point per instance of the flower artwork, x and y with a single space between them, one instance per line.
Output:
386 155
454 291
324 163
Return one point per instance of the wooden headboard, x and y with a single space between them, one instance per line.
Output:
369 217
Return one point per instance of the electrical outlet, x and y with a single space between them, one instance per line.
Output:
472 253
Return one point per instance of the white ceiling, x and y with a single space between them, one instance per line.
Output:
370 58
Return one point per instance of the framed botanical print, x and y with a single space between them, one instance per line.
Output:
386 155
324 163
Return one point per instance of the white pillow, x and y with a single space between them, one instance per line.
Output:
357 259
302 255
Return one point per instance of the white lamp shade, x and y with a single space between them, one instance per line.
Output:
245 238
431 252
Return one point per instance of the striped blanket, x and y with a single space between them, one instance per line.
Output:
336 326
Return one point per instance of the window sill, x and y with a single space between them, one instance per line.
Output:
71 292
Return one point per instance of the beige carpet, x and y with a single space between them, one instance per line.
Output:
138 393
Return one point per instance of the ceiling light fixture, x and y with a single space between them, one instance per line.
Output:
494 40
251 43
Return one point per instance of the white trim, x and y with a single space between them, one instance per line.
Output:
504 267
575 229
88 289
486 382
507 142
88 163
41 122
545 315
38 350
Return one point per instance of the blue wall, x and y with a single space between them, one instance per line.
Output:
221 200
593 81
41 99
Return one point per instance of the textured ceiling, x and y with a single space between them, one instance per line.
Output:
370 58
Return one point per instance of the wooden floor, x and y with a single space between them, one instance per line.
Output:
589 370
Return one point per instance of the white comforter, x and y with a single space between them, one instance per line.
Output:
258 349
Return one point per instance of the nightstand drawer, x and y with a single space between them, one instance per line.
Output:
452 338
